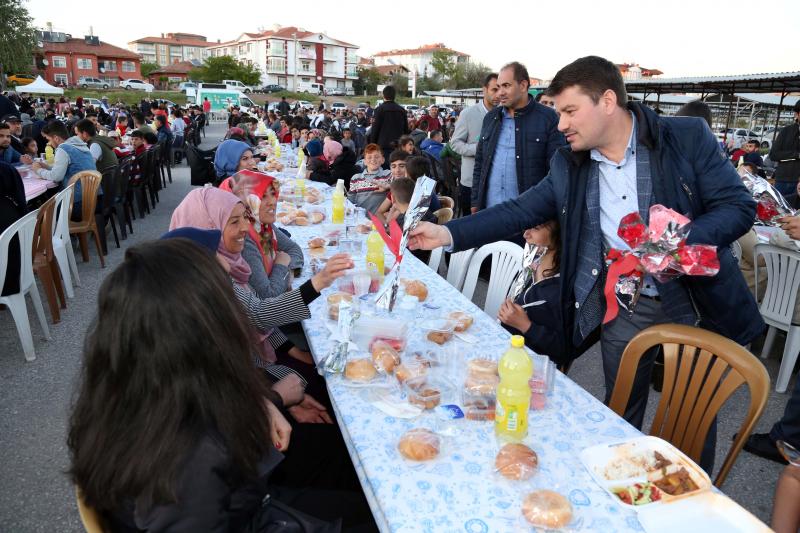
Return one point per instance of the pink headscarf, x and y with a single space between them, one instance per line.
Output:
331 150
210 208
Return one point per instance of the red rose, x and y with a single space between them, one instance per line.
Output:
632 230
766 210
699 259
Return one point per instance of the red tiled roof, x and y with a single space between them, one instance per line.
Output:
183 67
421 50
624 67
79 46
388 70
171 39
282 33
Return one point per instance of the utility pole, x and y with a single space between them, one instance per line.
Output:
294 65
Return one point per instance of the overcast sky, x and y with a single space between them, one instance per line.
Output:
679 37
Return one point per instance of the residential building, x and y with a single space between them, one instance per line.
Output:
171 48
417 59
293 57
632 71
172 75
63 59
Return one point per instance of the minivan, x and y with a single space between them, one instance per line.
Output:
313 88
236 85
86 82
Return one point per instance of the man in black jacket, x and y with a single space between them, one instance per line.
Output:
786 152
389 123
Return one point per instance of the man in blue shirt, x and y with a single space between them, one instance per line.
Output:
517 140
7 153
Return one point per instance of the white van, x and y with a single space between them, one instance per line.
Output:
236 85
313 88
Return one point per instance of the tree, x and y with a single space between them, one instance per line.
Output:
443 63
368 80
470 75
19 39
216 69
400 82
147 68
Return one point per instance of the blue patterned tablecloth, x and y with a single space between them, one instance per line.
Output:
459 490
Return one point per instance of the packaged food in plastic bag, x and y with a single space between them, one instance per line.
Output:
516 461
547 509
419 444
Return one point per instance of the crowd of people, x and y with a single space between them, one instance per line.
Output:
234 426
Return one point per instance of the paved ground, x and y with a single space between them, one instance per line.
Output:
35 494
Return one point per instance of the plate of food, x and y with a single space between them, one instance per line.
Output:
644 471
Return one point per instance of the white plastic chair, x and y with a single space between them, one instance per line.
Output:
24 228
777 307
457 270
435 260
506 265
62 246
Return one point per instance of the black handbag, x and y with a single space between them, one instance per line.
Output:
277 517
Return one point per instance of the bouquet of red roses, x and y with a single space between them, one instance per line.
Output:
659 250
770 204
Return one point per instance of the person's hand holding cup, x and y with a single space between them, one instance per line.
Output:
336 267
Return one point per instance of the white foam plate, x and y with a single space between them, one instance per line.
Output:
708 511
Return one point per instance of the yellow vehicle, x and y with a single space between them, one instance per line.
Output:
20 79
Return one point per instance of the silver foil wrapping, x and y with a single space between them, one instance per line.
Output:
531 257
336 359
417 207
771 204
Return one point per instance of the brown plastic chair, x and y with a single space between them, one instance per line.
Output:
446 201
89 517
701 371
90 183
44 259
443 215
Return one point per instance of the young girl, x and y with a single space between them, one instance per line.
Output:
30 147
540 324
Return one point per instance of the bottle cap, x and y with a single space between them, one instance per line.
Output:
517 341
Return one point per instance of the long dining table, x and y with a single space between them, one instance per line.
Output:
460 491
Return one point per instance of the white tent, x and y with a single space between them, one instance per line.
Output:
39 86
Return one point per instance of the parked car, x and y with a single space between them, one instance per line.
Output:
305 104
362 106
187 85
94 102
20 79
273 88
87 82
338 106
737 137
411 107
336 91
313 88
138 85
236 85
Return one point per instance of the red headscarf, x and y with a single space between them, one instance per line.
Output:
265 237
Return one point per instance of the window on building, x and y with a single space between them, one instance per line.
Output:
282 80
128 66
306 66
85 64
59 62
162 49
277 64
110 66
60 78
241 49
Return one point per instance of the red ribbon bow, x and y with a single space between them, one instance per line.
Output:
392 239
622 264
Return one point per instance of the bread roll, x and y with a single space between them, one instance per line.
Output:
419 444
360 370
548 509
316 242
333 303
482 367
300 213
403 372
462 320
384 356
317 217
416 288
516 461
427 398
301 221
439 337
483 385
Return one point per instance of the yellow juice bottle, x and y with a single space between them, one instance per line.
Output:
513 393
375 254
337 211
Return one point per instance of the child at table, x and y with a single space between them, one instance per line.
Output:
540 324
29 147
401 191
368 188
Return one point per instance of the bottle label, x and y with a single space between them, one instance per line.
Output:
512 422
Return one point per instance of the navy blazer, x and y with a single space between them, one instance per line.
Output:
690 175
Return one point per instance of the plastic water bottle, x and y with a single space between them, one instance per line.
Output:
375 254
337 212
513 393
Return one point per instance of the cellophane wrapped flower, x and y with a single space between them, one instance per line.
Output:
660 250
770 204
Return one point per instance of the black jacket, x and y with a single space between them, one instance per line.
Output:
343 168
689 175
537 139
389 124
787 147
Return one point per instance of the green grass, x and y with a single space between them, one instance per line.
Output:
128 97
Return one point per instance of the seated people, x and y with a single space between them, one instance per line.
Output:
433 144
211 442
231 157
72 155
211 208
316 164
416 167
401 190
100 146
13 206
785 511
368 188
397 167
540 324
347 139
7 153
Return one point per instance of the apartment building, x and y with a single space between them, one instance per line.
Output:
293 57
171 48
417 59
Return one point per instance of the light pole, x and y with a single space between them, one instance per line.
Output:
294 65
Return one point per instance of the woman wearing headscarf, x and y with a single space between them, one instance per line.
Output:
233 156
211 208
342 162
13 206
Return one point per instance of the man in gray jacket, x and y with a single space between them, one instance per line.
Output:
466 136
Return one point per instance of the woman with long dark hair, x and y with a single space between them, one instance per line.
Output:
172 430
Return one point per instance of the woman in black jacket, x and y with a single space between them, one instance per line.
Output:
172 430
